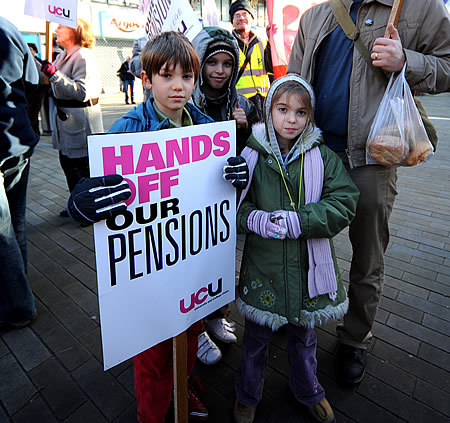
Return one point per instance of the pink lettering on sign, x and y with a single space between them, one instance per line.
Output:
153 168
150 157
124 159
167 180
59 11
220 140
201 147
200 296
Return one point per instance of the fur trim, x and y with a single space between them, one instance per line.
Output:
320 317
307 319
310 139
260 317
259 132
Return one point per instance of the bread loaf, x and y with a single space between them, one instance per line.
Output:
422 149
388 149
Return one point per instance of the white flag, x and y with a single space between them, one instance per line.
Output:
59 11
170 15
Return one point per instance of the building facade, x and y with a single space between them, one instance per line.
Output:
116 24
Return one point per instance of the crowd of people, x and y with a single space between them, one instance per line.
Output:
301 176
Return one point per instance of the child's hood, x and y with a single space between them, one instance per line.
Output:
264 133
208 37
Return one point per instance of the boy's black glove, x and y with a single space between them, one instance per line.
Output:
95 199
236 172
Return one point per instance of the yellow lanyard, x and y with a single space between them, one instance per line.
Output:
285 183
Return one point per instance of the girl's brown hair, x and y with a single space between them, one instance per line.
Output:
84 36
169 48
295 88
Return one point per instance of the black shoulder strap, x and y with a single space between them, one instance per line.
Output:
248 56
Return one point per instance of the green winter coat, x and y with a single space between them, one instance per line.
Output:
273 279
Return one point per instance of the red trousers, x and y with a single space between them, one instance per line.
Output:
153 376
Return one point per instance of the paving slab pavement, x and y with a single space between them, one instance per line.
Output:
52 371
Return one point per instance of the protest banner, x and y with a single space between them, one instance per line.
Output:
284 19
170 15
63 12
169 260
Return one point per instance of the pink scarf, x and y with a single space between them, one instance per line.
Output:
321 273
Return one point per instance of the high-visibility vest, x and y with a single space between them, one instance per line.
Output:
254 78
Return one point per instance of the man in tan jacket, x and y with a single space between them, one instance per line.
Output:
348 92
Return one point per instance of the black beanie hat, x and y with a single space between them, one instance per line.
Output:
241 5
219 46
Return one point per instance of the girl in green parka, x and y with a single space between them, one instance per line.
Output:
299 197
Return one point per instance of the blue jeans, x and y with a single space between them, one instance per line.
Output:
16 298
301 343
128 83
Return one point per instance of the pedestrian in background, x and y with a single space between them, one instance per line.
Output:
127 79
76 86
253 81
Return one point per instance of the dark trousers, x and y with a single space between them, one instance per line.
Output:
74 169
16 297
34 106
128 84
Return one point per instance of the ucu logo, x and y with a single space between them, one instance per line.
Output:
200 296
59 11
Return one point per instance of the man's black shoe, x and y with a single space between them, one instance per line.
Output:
350 364
64 213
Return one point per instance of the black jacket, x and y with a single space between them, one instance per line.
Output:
123 73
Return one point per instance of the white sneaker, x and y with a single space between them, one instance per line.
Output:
208 352
222 329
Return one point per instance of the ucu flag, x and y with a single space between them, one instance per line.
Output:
201 296
62 12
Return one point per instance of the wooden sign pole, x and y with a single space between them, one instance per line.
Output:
48 46
48 42
180 378
394 16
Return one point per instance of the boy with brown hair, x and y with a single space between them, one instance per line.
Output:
171 68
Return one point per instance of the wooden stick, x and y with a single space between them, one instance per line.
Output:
48 42
48 46
180 378
394 16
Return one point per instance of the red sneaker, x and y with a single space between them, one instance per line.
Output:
197 411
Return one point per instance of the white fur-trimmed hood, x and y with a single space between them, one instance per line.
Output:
310 138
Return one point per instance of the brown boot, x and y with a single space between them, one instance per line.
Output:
322 412
243 414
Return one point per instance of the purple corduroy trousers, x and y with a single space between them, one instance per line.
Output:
301 344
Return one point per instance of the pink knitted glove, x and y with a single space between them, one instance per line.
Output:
290 221
266 224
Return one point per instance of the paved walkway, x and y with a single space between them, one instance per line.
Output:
52 371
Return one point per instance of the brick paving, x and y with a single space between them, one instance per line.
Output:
53 372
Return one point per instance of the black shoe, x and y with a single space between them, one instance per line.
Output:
127 102
350 364
64 213
133 102
19 323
